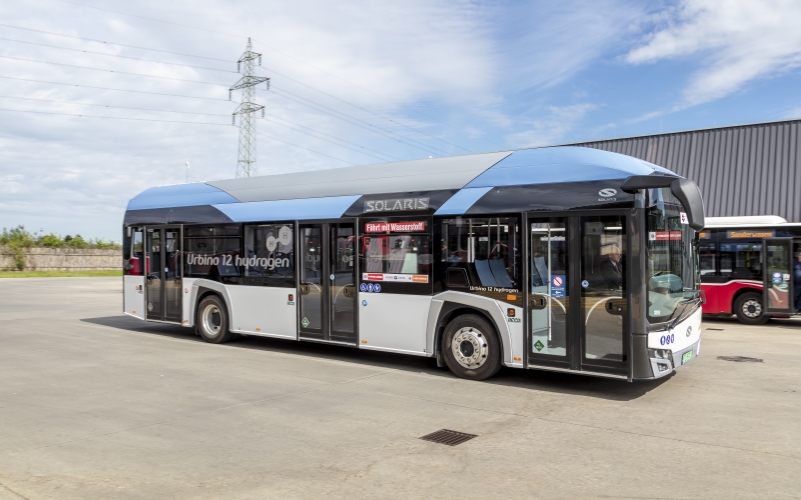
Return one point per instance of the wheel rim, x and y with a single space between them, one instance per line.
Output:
752 308
469 347
212 320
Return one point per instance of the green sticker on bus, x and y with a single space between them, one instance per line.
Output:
539 346
305 322
686 357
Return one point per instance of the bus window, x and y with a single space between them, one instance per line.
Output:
212 252
672 265
396 255
269 258
488 249
741 260
133 253
707 252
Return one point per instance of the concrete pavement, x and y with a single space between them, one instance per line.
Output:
97 405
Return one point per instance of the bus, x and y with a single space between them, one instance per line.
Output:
748 266
567 259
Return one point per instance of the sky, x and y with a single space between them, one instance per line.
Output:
102 100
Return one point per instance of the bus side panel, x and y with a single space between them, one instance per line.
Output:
133 291
393 322
261 310
720 297
187 307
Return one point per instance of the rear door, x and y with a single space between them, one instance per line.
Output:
778 275
163 268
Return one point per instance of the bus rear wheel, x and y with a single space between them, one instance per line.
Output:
471 348
212 320
749 309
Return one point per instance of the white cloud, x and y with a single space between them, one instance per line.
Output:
739 40
552 127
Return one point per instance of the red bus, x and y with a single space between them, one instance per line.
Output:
748 265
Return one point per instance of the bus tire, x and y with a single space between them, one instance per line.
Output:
749 309
212 320
471 348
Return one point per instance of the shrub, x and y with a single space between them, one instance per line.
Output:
17 240
49 240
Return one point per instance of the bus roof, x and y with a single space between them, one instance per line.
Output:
464 179
745 220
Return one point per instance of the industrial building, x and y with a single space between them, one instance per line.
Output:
741 170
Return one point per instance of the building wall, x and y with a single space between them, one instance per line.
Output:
743 170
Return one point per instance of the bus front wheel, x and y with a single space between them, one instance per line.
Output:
749 309
471 348
212 320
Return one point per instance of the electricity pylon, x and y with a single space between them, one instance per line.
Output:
246 158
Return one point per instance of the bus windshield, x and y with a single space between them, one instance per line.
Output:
673 279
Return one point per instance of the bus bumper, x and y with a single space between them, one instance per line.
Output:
665 362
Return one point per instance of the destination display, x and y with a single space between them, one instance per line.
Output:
394 227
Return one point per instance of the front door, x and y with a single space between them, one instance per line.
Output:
577 292
778 276
327 284
163 271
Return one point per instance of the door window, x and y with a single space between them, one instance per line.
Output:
603 288
311 278
549 294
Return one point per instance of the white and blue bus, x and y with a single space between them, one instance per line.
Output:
565 259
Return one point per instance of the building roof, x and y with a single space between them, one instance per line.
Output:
741 170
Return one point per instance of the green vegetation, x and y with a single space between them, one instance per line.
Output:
18 240
56 274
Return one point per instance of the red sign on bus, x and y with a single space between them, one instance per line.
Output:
394 227
664 235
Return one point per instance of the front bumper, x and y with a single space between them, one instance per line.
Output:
666 364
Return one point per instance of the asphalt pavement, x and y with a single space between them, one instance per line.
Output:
96 405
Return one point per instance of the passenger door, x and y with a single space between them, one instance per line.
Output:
327 282
163 274
778 276
577 293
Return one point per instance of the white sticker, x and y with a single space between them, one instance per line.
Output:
683 218
652 236
271 243
285 235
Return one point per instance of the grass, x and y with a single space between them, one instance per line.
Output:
57 274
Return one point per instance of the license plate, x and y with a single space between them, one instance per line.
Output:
687 356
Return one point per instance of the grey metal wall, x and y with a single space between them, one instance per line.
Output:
743 170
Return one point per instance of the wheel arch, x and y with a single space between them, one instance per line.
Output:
459 304
202 289
742 291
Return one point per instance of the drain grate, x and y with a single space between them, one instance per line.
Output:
740 359
445 436
716 329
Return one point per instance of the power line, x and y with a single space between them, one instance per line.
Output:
167 121
152 19
218 114
367 110
301 147
274 50
111 106
368 126
117 55
113 43
117 90
112 71
331 136
110 117
326 140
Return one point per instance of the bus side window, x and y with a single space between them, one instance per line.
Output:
133 251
